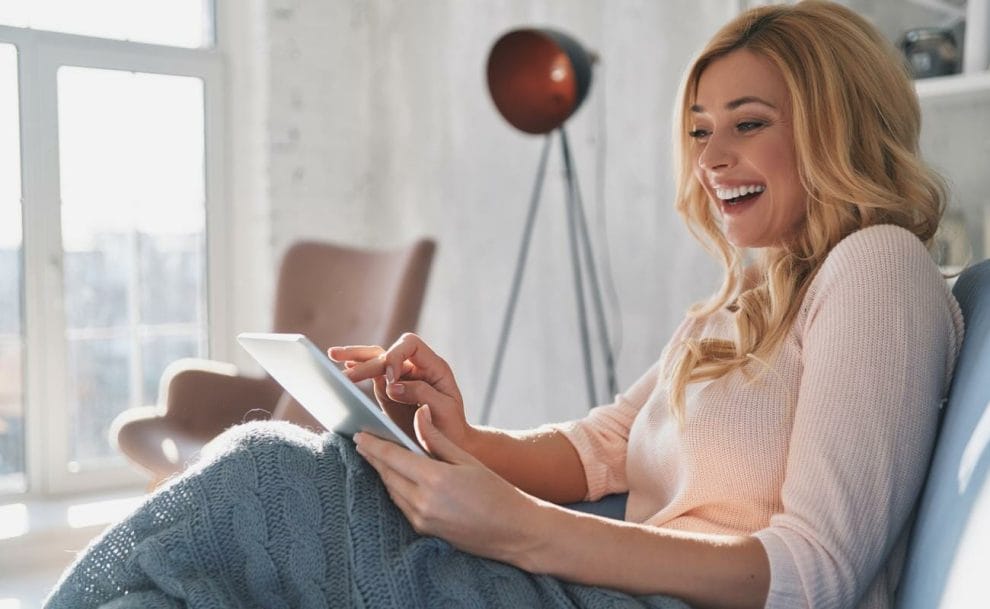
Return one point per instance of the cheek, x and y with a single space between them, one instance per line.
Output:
796 206
699 177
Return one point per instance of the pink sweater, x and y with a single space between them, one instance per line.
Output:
823 458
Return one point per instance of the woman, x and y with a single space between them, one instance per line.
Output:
774 452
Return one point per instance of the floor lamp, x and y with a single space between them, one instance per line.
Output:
538 79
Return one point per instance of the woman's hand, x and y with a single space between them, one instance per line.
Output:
406 376
454 496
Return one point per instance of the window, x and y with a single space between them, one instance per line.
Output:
132 190
11 386
115 179
180 23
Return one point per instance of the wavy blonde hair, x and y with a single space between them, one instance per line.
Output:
856 123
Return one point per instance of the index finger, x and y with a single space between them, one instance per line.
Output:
429 366
358 353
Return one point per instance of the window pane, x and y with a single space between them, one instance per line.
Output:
11 349
175 263
98 391
183 23
133 229
157 353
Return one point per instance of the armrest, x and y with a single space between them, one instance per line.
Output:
203 397
197 400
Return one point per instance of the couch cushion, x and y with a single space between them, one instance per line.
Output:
949 554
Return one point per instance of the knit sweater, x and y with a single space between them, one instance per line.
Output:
276 517
822 458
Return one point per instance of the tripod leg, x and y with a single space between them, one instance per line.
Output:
596 291
572 229
510 308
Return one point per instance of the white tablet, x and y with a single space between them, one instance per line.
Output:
315 382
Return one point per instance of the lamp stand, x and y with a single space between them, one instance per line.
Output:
582 263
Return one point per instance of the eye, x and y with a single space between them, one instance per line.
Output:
699 134
750 126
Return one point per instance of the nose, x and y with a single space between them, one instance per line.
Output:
717 154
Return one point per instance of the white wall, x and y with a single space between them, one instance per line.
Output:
379 129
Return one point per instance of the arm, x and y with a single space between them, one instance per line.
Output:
458 499
878 344
541 463
702 569
562 463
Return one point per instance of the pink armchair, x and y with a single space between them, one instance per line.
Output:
334 295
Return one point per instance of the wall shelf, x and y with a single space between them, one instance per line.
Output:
954 86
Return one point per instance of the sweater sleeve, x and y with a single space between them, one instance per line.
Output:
601 437
879 342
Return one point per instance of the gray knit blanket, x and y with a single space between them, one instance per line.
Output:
273 516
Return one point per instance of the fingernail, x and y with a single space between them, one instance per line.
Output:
389 374
426 413
398 388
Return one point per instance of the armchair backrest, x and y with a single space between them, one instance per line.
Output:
949 554
340 295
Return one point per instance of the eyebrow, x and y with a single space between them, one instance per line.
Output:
732 105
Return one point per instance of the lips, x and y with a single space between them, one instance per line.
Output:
740 204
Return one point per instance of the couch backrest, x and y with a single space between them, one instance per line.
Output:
948 562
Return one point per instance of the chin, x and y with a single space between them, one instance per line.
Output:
742 241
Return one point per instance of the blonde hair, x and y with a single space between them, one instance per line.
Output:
856 123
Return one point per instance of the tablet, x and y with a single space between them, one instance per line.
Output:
321 388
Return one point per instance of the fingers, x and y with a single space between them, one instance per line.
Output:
414 392
400 489
429 366
409 358
360 361
434 440
358 353
375 367
398 460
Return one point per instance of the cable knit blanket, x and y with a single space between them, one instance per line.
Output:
273 517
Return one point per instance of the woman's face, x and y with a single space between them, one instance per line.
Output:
744 149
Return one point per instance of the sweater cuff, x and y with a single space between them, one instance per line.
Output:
595 471
786 587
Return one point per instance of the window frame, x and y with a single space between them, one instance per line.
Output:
39 56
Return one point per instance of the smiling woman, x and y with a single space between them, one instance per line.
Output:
771 455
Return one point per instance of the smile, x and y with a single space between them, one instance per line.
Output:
733 196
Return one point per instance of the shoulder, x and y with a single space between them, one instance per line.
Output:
884 247
882 266
879 257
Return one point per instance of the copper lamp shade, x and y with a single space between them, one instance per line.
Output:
538 78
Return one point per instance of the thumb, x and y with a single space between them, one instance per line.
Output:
439 445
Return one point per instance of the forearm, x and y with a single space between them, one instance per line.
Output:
704 570
543 464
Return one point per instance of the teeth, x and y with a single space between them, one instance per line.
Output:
731 193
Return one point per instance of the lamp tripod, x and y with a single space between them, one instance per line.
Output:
583 267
